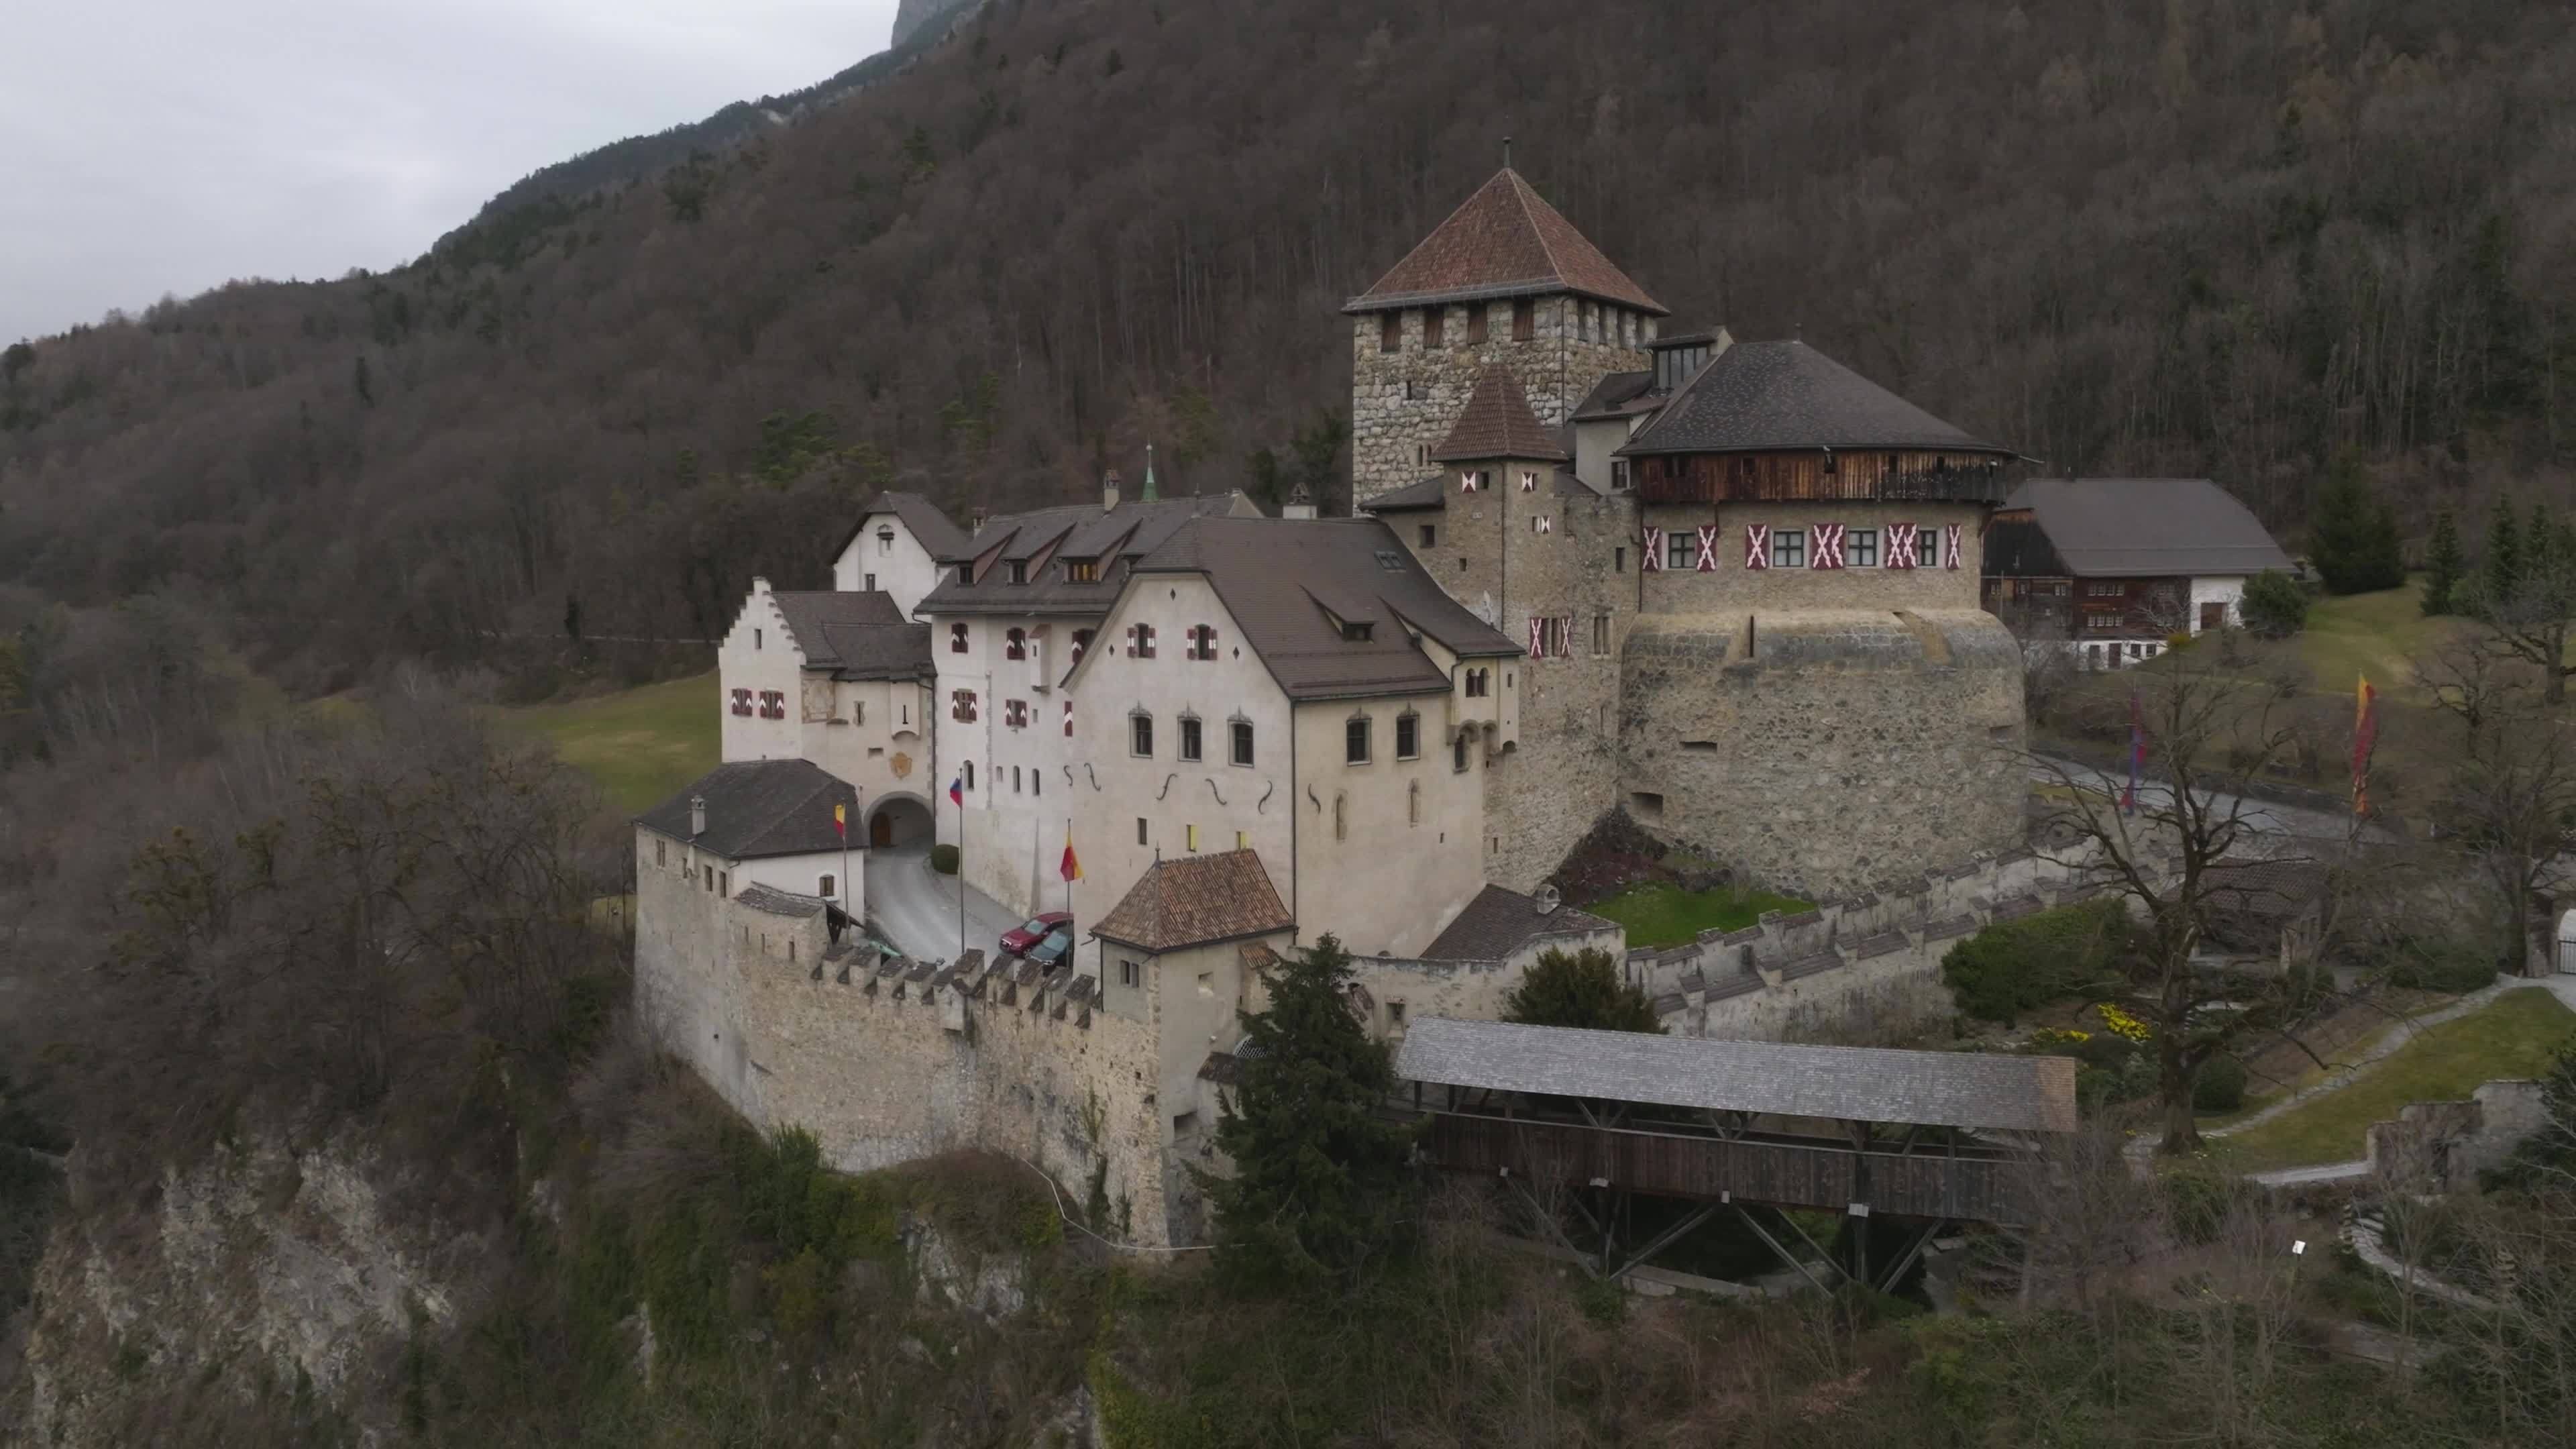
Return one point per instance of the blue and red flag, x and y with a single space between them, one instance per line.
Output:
957 792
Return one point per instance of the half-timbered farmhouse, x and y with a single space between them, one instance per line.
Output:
2115 568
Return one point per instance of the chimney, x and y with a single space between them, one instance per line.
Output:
1109 490
697 816
1301 504
975 519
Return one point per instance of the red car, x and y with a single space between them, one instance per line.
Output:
1036 929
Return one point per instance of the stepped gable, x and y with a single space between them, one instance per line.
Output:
1197 900
1293 585
758 808
1497 423
1499 922
1504 241
1767 396
930 526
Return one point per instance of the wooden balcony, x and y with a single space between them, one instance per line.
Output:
1820 476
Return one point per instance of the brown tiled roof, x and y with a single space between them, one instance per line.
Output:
1285 581
1503 241
1761 396
1196 900
1499 922
1497 423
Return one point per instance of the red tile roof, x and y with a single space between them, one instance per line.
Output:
1503 241
1497 423
1196 900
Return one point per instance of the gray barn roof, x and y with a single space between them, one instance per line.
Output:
1498 922
1858 1084
2129 527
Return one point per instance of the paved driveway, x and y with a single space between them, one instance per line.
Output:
915 907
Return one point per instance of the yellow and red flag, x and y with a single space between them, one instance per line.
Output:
2365 733
841 820
1071 866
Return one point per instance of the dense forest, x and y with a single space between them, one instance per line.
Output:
2197 236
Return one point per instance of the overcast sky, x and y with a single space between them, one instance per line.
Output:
166 146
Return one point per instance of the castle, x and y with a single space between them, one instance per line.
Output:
1729 589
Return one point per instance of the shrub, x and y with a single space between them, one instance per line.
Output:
2219 1086
1584 989
943 859
2012 966
2196 1200
2441 964
2274 605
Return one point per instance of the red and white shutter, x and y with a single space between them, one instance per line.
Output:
1952 541
1538 637
1900 546
1707 562
1757 545
1654 550
1828 552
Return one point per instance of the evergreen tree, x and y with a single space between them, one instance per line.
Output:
2353 532
1321 1188
2443 564
2502 568
2274 606
1583 989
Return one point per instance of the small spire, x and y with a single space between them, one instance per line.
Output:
1150 494
1507 153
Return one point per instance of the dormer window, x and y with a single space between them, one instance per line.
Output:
966 573
1082 570
1357 631
1019 570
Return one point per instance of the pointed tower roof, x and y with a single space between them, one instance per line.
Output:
1504 241
1498 423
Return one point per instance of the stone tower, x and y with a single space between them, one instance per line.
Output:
1505 281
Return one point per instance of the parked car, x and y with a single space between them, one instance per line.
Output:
1028 933
1057 945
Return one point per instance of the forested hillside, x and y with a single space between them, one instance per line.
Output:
2167 235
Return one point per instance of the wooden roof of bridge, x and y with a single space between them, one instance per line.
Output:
1854 1084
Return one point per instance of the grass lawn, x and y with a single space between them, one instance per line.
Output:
639 744
1667 915
2514 1036
2378 634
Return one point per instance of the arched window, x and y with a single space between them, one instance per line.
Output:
1458 753
969 773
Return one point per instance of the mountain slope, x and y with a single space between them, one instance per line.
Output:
2198 238
641 158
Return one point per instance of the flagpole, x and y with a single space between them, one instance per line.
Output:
843 829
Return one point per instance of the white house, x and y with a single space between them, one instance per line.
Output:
895 549
758 823
841 680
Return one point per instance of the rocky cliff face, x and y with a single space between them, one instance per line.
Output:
264 1272
911 15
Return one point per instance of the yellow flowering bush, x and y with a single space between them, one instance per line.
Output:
2050 1036
2121 1023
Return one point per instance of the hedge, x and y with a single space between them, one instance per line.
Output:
2013 966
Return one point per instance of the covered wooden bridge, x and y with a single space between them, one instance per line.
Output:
1931 1138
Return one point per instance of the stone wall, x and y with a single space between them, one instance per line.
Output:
1403 403
887 1060
1824 751
2443 1146
1860 970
